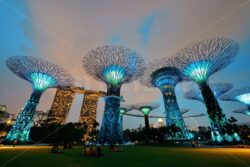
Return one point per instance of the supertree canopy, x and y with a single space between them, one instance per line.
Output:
146 108
42 75
165 75
217 88
114 65
198 62
241 95
244 111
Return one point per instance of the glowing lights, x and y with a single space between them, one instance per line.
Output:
162 81
244 98
42 81
198 71
114 74
216 137
146 110
122 111
236 137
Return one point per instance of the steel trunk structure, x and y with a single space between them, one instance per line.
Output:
165 75
42 75
114 65
198 62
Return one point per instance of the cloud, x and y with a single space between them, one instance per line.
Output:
146 28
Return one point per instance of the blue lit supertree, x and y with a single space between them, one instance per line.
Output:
165 75
146 108
218 89
42 75
199 61
241 95
114 65
244 111
124 108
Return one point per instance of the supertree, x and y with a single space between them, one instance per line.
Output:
244 111
124 108
199 61
42 75
165 75
218 89
146 108
241 95
114 65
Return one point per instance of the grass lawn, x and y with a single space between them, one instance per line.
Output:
133 156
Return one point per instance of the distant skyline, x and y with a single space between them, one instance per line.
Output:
64 31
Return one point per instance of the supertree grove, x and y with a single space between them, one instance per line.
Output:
241 95
114 65
146 108
199 61
165 75
217 88
42 75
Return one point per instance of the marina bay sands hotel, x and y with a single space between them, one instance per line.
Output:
63 100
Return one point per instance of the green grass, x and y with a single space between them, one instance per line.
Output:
133 156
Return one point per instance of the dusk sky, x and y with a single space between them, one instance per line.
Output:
63 32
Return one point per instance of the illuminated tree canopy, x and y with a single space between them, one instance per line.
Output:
241 95
202 59
162 72
41 73
199 61
113 65
146 108
217 88
125 108
165 75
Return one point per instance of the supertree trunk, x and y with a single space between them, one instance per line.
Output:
173 114
21 128
111 129
120 125
147 124
216 116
